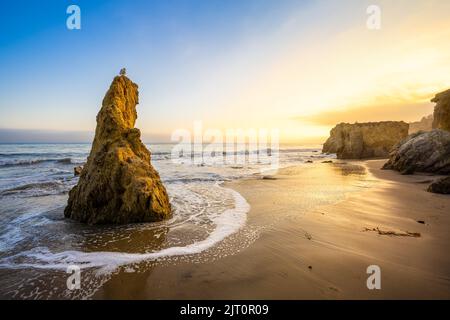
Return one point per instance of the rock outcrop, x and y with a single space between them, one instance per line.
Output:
365 140
426 151
118 184
77 170
422 152
425 124
440 186
442 111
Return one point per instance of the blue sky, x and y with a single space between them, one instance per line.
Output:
228 63
166 46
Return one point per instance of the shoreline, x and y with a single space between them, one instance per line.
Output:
322 253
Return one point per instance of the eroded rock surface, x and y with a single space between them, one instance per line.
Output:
365 140
422 152
442 111
426 151
77 170
118 184
440 186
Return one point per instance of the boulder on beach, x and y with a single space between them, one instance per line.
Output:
440 186
365 140
422 152
426 151
118 184
442 111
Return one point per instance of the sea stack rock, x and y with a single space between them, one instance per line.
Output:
118 184
365 140
442 111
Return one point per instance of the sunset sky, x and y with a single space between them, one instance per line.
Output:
298 66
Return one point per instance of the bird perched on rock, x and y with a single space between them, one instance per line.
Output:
118 184
123 71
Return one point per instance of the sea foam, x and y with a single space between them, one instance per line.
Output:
226 223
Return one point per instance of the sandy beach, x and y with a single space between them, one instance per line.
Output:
317 230
226 150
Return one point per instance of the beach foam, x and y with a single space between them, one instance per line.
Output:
227 223
37 242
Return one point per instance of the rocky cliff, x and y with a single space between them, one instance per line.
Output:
365 140
425 124
442 111
118 184
426 151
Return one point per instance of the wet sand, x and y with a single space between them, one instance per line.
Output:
318 228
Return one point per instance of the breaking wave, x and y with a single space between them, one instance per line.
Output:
31 162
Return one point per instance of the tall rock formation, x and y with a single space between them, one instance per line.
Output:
442 111
365 140
118 184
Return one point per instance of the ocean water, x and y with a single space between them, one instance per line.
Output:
37 241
